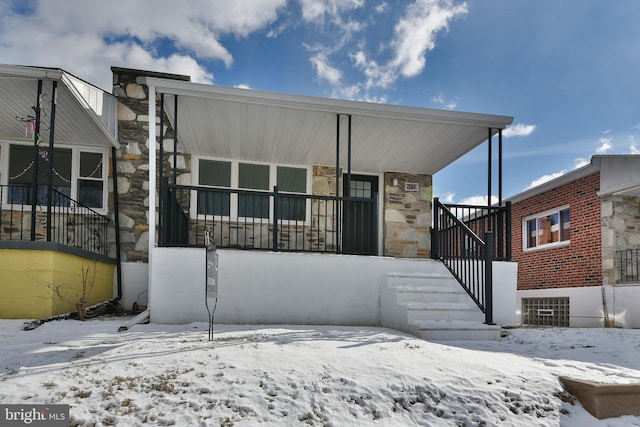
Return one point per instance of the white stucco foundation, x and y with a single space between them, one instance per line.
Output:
504 296
287 288
135 282
586 305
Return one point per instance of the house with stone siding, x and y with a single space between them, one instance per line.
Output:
576 240
314 205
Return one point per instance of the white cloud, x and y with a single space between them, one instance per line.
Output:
605 145
415 33
448 198
376 76
324 70
88 37
318 10
577 163
632 145
382 7
518 129
404 54
478 200
446 104
545 178
580 162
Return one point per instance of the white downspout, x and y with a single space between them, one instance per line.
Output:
152 185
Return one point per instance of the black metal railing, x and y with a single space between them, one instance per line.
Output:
277 221
481 219
457 243
68 222
627 263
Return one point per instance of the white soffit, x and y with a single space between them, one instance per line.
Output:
77 121
253 125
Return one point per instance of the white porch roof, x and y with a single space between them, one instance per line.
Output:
271 127
85 114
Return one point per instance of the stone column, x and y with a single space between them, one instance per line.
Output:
133 159
407 215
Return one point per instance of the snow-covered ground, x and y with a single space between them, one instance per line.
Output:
315 375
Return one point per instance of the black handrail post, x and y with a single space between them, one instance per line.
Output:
489 175
435 234
36 143
175 137
508 231
488 278
275 218
164 206
337 203
161 166
116 220
52 126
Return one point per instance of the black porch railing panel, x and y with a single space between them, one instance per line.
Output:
627 262
71 223
247 219
482 219
466 255
174 222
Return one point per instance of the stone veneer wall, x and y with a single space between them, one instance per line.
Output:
620 230
133 159
407 216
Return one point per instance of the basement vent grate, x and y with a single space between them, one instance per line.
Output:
545 311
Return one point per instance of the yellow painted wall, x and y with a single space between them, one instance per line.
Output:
25 275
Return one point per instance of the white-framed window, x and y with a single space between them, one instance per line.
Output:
257 178
78 173
547 229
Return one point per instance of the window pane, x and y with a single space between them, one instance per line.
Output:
21 172
20 164
292 208
360 189
90 165
531 233
548 229
255 177
214 173
214 203
253 206
566 225
292 180
90 193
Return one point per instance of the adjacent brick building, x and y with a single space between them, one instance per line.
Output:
576 241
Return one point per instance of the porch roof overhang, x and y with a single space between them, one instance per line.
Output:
85 115
252 125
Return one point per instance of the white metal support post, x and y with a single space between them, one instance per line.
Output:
152 182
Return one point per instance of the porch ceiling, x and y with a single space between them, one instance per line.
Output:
280 128
85 115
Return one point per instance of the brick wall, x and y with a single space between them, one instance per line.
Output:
576 265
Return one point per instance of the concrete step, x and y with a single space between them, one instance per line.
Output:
438 330
444 279
426 294
442 311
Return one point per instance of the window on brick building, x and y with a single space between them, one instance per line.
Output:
547 229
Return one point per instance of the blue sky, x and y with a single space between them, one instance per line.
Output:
568 71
